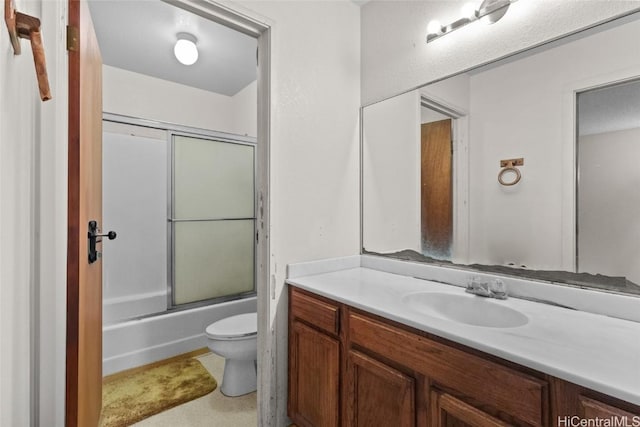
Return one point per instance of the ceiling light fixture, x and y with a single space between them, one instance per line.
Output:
490 11
185 49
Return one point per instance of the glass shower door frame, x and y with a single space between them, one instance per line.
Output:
172 221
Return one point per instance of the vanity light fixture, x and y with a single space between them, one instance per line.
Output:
185 49
490 11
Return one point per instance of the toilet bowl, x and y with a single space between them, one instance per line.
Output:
236 339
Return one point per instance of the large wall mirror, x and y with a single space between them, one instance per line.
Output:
528 166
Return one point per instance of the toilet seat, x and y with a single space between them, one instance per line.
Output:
241 326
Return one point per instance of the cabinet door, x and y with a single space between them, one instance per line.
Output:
447 411
378 395
314 371
592 409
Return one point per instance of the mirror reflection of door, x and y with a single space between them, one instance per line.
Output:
608 207
436 186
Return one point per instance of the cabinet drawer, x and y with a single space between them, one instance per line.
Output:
314 311
503 388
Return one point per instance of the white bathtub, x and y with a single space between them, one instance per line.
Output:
135 343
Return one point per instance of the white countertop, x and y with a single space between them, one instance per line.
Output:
595 351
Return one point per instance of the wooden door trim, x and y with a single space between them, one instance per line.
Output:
73 229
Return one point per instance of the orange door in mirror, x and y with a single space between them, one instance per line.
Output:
436 189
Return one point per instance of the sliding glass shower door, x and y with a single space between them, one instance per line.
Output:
212 220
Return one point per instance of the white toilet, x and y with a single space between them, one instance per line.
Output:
236 339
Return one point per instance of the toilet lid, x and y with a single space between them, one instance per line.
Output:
241 325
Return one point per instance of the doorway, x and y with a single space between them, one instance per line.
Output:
75 320
443 187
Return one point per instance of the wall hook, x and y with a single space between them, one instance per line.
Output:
509 165
25 26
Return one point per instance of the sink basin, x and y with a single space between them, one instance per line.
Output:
465 308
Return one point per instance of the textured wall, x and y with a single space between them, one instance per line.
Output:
19 136
315 95
137 95
33 156
391 175
395 57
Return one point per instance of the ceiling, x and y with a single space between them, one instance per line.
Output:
610 109
139 36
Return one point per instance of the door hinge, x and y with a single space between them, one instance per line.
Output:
73 38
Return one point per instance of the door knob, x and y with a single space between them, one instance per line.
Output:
93 239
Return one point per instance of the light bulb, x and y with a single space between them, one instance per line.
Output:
185 49
434 27
468 11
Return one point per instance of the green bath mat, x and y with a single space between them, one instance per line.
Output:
128 400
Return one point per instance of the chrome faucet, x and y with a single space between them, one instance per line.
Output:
489 289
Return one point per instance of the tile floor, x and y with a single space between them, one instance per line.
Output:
212 410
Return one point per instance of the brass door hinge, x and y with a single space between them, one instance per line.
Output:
73 38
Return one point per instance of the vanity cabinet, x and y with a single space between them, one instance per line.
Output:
314 362
494 388
352 368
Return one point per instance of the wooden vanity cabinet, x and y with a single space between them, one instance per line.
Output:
314 361
461 376
352 368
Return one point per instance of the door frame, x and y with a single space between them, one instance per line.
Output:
249 23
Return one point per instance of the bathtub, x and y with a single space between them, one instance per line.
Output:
133 343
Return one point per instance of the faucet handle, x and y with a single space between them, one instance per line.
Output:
498 289
476 285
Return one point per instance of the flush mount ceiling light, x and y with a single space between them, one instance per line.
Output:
490 11
185 49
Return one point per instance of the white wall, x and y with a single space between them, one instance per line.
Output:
428 115
137 95
391 171
244 111
396 58
453 92
525 109
315 95
609 204
33 227
19 135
